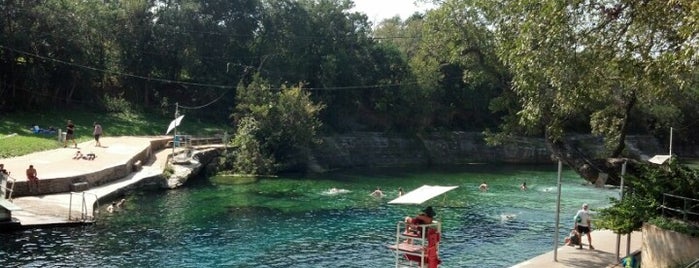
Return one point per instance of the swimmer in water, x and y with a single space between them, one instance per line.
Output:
483 187
377 193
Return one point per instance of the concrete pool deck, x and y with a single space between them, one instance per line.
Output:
604 254
70 189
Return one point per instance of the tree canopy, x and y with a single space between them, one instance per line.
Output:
514 67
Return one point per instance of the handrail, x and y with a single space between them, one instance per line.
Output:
83 206
685 210
681 197
3 186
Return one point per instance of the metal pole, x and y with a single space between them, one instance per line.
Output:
70 205
670 141
558 213
628 244
621 197
174 135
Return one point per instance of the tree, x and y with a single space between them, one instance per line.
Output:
282 121
614 63
457 67
645 195
247 156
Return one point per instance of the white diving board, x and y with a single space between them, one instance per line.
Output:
659 159
422 194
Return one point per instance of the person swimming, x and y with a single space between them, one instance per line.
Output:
377 193
483 187
335 191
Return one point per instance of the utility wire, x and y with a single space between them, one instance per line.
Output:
114 72
183 82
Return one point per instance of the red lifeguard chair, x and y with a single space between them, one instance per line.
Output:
418 245
419 248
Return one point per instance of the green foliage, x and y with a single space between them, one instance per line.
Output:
627 215
247 154
542 66
645 196
276 128
117 104
15 145
114 124
570 59
675 225
168 171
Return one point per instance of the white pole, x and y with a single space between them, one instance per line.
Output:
558 213
670 141
174 136
621 197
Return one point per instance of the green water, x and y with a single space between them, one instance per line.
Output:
295 221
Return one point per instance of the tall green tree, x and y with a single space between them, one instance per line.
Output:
457 68
609 61
285 123
53 50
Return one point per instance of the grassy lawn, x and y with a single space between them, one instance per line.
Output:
16 138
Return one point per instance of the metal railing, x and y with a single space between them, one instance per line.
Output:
4 190
83 207
689 209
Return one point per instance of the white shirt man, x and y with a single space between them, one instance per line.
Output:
583 223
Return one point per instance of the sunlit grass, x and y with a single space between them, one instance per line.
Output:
16 138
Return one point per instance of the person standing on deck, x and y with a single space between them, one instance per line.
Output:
70 132
97 132
583 224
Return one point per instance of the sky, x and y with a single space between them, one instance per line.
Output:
378 10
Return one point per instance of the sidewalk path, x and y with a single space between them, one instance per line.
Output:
604 254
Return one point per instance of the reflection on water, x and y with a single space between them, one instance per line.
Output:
326 220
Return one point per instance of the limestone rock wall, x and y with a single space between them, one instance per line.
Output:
374 149
664 248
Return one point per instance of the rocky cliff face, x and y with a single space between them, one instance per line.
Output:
373 149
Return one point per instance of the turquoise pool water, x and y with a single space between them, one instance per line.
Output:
295 221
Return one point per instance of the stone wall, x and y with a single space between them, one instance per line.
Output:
663 248
374 149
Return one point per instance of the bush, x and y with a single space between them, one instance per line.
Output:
676 225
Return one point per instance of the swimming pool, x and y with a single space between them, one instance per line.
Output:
297 221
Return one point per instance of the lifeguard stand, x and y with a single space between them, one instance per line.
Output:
417 245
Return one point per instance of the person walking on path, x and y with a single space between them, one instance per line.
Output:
33 179
70 131
583 224
97 133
